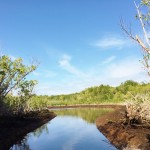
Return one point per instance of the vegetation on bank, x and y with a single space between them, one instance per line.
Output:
14 128
13 78
26 105
137 108
16 113
103 94
13 75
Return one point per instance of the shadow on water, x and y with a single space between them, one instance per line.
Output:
14 129
23 144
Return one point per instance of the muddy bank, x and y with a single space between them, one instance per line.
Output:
120 135
12 129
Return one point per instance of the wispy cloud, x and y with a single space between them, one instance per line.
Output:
12 57
65 60
109 60
44 89
35 73
65 63
49 73
126 68
45 73
111 41
112 73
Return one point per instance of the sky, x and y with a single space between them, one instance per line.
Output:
78 43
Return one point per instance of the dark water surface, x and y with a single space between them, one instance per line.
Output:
72 129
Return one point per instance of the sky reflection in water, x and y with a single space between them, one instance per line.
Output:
66 132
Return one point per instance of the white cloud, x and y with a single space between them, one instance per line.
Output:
65 60
43 89
125 68
48 73
12 57
35 73
113 73
109 60
45 73
65 63
111 41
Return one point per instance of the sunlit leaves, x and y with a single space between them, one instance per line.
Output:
145 2
13 77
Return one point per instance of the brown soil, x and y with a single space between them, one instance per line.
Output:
12 129
111 125
121 135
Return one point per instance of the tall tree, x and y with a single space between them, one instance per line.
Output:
143 16
13 77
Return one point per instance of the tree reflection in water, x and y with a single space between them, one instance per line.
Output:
88 114
40 130
23 145
73 128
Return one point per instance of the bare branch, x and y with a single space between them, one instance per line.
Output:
129 33
142 44
142 24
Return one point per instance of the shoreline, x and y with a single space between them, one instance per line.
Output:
110 125
123 136
13 129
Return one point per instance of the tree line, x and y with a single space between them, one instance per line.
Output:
103 94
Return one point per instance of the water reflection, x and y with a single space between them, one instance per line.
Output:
88 114
40 130
72 129
23 145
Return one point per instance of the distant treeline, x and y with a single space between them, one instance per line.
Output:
97 95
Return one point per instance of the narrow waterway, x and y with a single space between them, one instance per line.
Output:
72 129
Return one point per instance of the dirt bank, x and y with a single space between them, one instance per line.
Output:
120 135
13 129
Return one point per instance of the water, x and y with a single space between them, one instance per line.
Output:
72 129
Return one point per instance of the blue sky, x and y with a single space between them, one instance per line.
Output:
79 43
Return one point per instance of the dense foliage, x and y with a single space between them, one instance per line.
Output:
103 94
13 78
